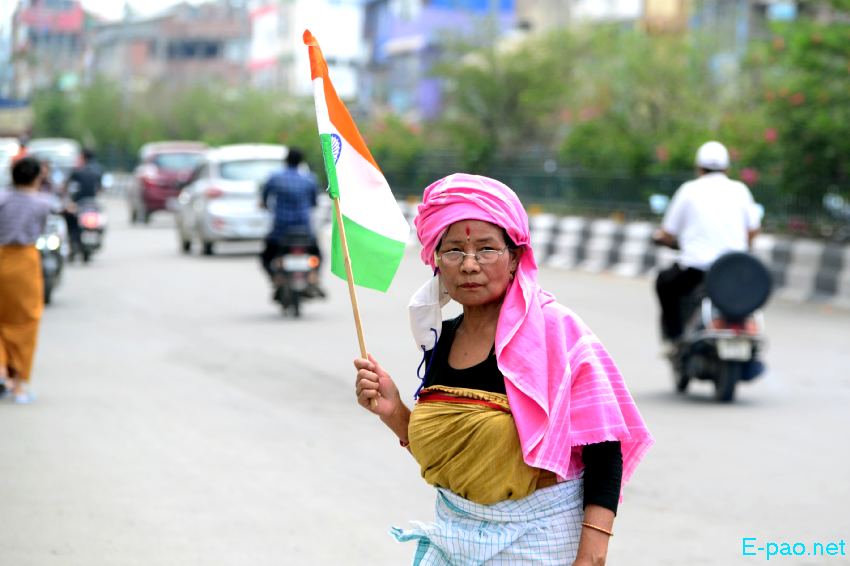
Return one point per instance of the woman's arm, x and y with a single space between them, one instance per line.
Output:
377 393
603 475
593 544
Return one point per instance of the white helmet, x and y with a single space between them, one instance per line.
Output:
712 156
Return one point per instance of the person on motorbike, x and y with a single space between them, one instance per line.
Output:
707 217
84 183
291 196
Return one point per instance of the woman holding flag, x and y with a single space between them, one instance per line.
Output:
523 422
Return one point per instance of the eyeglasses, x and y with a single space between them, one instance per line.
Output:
483 257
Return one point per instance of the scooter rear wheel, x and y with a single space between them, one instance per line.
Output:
728 376
681 380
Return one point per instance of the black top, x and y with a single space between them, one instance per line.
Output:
85 181
603 462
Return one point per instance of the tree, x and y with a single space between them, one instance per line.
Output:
500 97
53 114
648 103
808 96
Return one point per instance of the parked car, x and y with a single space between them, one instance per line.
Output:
221 201
63 154
163 168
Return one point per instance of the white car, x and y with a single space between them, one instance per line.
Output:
8 149
221 200
63 154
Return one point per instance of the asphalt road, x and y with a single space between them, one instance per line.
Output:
181 420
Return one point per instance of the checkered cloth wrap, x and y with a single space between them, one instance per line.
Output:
541 529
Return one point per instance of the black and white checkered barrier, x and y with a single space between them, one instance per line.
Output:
803 270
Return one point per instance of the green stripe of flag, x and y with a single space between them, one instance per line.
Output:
374 258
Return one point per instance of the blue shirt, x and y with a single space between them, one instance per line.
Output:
291 196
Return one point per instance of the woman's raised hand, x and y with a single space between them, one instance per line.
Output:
375 389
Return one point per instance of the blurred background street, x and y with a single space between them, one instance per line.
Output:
182 420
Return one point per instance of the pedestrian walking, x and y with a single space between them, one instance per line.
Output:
522 423
23 213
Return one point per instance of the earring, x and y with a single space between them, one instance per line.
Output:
512 275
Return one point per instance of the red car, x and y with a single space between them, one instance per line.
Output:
163 168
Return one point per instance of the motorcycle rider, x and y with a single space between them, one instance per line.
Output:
84 183
291 196
707 217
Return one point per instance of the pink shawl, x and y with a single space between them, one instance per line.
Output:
563 387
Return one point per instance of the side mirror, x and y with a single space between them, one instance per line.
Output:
658 203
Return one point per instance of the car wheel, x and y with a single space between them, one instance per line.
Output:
207 248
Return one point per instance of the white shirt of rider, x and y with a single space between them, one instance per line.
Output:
710 216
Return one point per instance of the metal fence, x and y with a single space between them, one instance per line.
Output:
624 197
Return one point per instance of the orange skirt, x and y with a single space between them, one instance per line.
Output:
21 305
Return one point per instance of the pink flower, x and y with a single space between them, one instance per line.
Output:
662 154
771 135
797 98
589 113
749 176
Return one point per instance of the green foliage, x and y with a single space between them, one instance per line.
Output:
502 98
808 97
648 103
53 112
117 124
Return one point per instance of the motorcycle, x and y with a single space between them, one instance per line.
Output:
91 221
53 249
295 273
723 334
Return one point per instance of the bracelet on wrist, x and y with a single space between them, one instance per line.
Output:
596 528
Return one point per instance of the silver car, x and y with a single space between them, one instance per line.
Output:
221 200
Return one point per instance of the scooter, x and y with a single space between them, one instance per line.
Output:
723 334
92 224
53 249
295 273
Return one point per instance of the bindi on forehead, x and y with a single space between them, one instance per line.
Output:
468 232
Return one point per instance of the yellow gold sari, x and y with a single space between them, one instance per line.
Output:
21 305
465 440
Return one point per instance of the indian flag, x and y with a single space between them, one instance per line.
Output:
375 228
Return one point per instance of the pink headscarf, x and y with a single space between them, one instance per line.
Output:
563 387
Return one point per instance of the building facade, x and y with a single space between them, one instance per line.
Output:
278 58
48 45
187 45
404 38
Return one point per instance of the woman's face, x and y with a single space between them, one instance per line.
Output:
469 282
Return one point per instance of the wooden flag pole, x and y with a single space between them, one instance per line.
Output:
349 275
